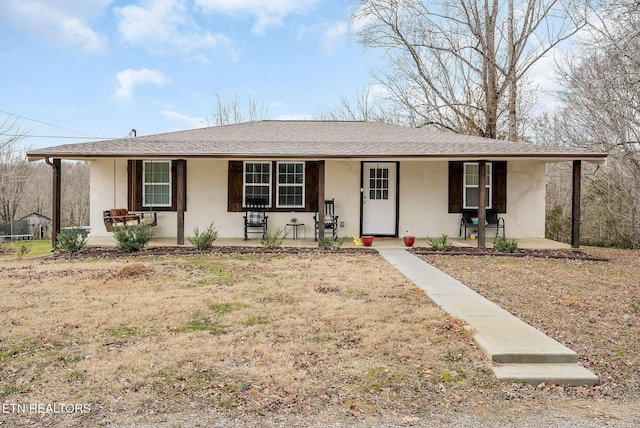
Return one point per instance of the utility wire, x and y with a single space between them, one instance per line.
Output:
78 138
54 126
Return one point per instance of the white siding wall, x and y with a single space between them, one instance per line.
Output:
423 199
526 187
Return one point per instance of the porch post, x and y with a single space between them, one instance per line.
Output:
320 201
482 196
56 187
180 203
575 206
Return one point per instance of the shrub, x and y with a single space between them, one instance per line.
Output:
441 243
504 245
204 240
22 249
331 242
71 240
273 239
132 238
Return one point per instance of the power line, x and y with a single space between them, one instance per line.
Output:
69 137
48 124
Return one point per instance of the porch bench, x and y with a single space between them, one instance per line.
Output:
123 217
469 220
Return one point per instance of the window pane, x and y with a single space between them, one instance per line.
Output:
157 194
261 192
471 175
290 195
472 197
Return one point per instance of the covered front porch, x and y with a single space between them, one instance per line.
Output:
524 243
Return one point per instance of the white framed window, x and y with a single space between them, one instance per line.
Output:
257 181
290 188
156 183
470 194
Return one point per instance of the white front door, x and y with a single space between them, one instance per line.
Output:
379 208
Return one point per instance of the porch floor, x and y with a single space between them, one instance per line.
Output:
526 243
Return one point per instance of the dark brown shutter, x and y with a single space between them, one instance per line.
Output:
311 170
500 186
455 187
134 185
234 195
174 184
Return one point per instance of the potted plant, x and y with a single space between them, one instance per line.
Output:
409 240
367 241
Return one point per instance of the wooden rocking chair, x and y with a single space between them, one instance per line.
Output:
255 218
329 218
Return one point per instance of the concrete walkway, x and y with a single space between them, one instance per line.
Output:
519 352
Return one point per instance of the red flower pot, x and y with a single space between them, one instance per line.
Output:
367 241
409 240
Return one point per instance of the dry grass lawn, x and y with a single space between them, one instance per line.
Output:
307 339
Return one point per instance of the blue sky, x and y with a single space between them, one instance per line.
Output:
103 67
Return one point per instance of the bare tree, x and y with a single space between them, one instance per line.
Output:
237 110
363 105
14 169
457 64
38 191
75 194
601 111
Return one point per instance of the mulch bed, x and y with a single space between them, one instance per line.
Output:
474 251
110 252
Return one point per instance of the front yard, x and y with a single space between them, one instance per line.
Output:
304 339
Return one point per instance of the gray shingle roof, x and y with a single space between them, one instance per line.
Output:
310 139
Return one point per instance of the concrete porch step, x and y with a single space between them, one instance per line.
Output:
556 374
510 340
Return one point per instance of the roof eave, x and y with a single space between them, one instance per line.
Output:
597 158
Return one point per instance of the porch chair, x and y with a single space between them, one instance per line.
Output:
329 217
255 218
469 220
124 217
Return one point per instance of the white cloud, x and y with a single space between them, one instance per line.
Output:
127 79
333 36
268 13
64 23
190 122
160 25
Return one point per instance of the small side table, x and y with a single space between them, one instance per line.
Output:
294 228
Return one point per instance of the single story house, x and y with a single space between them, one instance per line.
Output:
386 180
